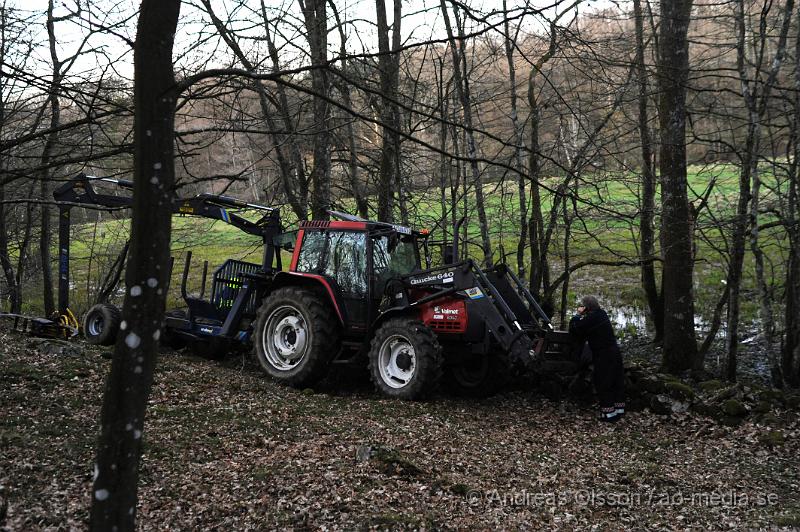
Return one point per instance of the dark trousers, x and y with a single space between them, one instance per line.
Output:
609 378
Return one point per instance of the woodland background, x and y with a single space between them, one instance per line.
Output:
643 151
545 124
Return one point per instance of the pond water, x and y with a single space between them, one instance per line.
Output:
632 323
631 320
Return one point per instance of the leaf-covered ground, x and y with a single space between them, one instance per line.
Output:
226 448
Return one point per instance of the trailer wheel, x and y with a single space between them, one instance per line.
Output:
295 336
478 375
405 359
101 324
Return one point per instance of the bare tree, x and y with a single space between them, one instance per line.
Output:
114 490
748 205
518 141
680 345
463 91
389 73
648 195
292 175
316 23
356 187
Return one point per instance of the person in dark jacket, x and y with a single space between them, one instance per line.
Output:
593 325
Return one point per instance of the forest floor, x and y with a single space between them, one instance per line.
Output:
225 448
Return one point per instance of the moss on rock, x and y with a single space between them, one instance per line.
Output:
772 438
762 407
772 396
707 409
660 404
653 384
793 402
711 385
730 421
679 390
769 419
734 408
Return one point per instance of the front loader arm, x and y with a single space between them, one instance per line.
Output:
470 282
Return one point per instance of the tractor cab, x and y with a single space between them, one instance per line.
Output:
354 261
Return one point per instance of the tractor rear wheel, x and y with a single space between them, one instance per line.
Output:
478 375
405 359
101 324
295 336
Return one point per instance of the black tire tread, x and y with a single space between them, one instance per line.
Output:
324 335
112 317
428 350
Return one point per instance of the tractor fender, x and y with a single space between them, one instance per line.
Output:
312 280
393 312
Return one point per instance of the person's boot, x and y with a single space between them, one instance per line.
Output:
619 409
608 414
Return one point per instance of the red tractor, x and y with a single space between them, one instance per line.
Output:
356 289
355 292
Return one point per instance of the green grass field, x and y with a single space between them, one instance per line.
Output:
606 229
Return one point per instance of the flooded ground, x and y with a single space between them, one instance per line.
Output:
620 294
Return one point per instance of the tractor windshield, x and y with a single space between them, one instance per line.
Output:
394 255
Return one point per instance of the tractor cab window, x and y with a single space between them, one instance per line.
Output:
393 255
285 240
340 255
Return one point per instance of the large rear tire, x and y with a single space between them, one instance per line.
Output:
296 335
405 359
101 324
478 375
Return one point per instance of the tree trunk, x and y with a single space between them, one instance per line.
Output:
114 491
45 236
790 356
462 88
680 344
316 23
648 206
5 260
389 72
24 245
540 268
747 206
517 160
444 164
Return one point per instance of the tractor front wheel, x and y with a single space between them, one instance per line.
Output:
295 336
101 324
405 359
